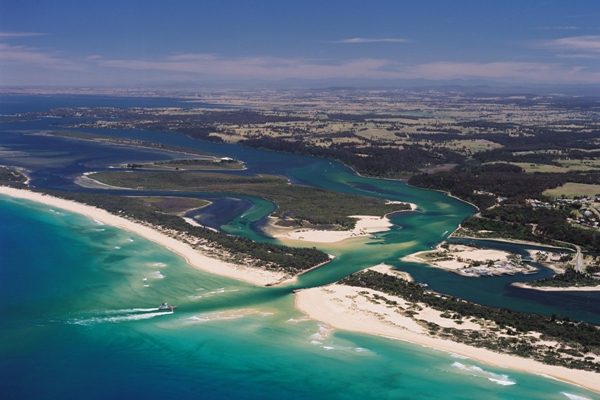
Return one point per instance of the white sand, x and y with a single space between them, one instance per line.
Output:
365 225
195 258
558 289
344 308
388 270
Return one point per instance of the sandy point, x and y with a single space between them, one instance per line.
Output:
348 308
194 257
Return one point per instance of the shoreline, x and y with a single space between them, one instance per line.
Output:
460 259
365 226
337 305
524 285
513 241
193 257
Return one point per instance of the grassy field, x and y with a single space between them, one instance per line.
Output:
170 205
194 165
566 166
582 165
574 189
527 167
299 205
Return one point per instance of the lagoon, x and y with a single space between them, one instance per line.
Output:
79 320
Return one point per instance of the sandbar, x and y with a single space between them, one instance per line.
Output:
365 225
343 307
558 289
194 257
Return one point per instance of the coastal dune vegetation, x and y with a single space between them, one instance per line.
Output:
296 205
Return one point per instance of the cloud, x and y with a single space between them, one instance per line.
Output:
19 55
514 71
20 34
366 40
558 28
574 43
254 67
270 68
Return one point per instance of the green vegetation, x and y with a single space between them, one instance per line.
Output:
11 177
170 205
570 278
195 164
241 250
125 142
300 204
373 160
571 190
575 339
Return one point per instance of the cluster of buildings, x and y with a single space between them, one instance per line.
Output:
498 268
590 217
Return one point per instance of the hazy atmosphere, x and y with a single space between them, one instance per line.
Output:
161 43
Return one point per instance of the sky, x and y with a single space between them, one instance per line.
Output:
187 42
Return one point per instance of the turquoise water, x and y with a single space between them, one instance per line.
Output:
78 298
79 322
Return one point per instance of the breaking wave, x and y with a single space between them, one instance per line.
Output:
575 397
490 376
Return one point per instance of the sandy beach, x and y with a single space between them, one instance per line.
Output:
194 257
347 308
365 225
558 289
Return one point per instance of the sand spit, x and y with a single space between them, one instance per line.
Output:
194 257
365 225
352 309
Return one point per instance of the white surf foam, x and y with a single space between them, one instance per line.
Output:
212 293
157 275
479 372
159 264
575 397
120 318
57 212
323 333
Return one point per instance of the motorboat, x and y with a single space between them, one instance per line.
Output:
166 307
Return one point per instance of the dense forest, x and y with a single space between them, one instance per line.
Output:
570 278
10 177
501 179
374 161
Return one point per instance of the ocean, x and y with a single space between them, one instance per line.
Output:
79 301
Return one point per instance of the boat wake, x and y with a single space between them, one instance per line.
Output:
117 316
